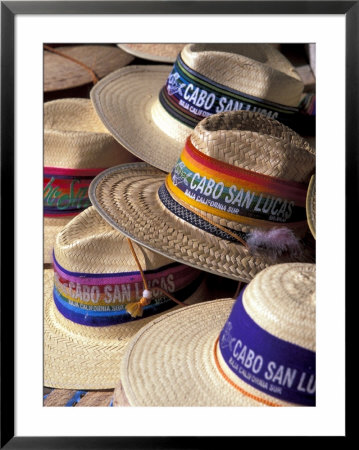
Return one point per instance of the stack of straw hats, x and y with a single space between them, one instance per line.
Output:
76 148
94 277
165 179
257 350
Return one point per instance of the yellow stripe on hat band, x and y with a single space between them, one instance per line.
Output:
178 194
235 194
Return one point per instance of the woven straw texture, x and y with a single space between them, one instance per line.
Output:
311 205
179 369
61 73
81 357
253 142
75 138
166 53
78 356
52 227
90 245
127 100
126 196
255 69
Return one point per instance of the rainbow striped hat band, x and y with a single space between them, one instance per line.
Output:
102 289
232 193
93 294
95 299
77 147
232 204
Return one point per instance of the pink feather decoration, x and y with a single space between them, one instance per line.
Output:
275 243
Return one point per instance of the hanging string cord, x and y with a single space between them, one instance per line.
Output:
238 289
136 308
202 216
95 79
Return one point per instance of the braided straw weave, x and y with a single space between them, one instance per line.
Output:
61 73
127 100
87 357
75 138
179 369
126 196
166 53
253 142
311 205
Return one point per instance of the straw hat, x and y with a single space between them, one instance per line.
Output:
154 52
80 398
62 73
229 185
152 117
76 148
311 205
89 297
256 351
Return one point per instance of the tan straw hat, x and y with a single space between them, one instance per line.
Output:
93 303
71 66
76 148
256 351
311 205
166 53
233 204
152 117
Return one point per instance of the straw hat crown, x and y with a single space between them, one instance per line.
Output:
256 69
231 353
155 52
92 304
253 142
281 300
89 244
74 137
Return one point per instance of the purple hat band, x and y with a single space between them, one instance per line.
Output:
271 365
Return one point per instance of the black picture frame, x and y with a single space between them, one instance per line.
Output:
9 9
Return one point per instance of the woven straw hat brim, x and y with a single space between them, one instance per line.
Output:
311 206
52 227
126 197
61 73
124 101
166 53
178 368
82 357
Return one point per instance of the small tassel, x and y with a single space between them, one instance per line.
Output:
136 308
274 243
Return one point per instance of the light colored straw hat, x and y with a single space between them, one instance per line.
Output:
90 296
152 117
166 53
233 204
256 351
311 205
76 148
85 62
